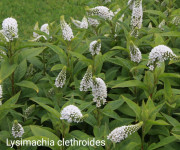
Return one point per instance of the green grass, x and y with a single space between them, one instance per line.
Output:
28 12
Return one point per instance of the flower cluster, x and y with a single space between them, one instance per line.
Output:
162 24
66 30
71 114
120 133
61 78
95 47
17 129
137 16
99 91
1 91
29 111
159 54
87 80
10 28
93 22
107 1
176 20
44 28
101 11
81 24
135 53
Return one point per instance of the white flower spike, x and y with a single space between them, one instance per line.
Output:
135 53
121 133
17 129
10 28
93 22
99 91
87 80
61 78
101 11
95 47
137 16
71 114
159 54
66 30
44 28
81 24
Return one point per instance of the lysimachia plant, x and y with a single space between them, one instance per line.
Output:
112 75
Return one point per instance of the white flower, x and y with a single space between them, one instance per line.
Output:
71 114
159 54
17 129
61 78
176 20
120 133
93 22
95 47
135 53
87 80
44 28
99 91
107 1
29 111
66 30
137 16
162 24
1 91
10 28
81 24
101 11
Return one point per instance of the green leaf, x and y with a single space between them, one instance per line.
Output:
162 143
155 12
132 83
6 70
57 67
171 120
172 33
28 84
157 122
133 106
81 57
49 109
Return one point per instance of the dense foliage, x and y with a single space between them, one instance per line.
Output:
112 76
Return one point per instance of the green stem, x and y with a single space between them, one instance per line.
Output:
142 139
44 63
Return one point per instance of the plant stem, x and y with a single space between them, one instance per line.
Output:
44 63
142 139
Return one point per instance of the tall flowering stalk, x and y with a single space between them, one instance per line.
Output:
61 78
10 33
17 129
101 11
44 28
121 133
80 24
99 91
10 28
95 47
87 80
159 54
66 30
137 16
135 53
71 113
